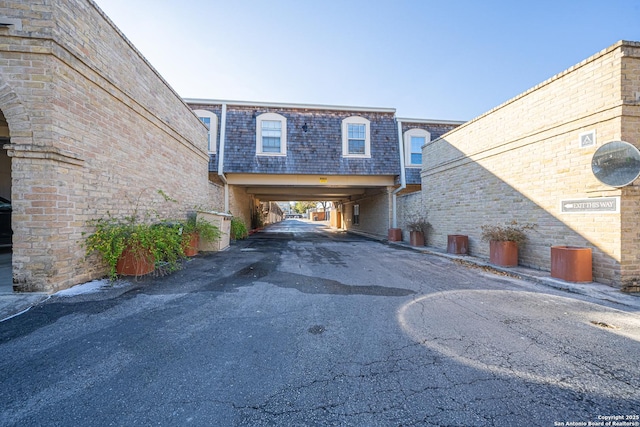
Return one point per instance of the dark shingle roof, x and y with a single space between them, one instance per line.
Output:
317 147
318 150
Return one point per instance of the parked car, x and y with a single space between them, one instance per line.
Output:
5 222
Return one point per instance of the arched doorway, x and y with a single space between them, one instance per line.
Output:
6 271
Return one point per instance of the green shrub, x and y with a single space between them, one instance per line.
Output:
238 229
162 241
205 229
146 234
257 219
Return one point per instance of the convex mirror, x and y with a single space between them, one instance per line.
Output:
616 163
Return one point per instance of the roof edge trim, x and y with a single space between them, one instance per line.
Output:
432 121
198 101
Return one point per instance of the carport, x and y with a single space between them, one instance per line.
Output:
344 191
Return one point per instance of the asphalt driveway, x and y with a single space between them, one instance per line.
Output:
302 326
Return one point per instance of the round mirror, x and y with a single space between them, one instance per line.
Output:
616 163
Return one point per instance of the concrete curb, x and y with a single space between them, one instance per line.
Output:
592 289
12 305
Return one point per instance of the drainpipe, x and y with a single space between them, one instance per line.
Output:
223 133
403 177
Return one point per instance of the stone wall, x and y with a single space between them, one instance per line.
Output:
5 161
241 204
215 200
630 132
410 207
375 214
94 129
521 159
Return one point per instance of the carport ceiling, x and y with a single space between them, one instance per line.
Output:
304 193
270 187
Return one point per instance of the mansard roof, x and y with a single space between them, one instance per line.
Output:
314 139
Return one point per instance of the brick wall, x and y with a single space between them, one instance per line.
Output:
519 160
241 204
5 175
215 200
410 207
630 132
94 129
375 214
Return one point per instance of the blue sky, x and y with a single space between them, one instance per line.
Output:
432 59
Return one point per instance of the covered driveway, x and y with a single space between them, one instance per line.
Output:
300 325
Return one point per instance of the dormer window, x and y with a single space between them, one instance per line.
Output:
414 140
210 120
271 135
356 141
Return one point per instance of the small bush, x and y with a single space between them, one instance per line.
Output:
512 232
419 224
111 236
206 231
238 229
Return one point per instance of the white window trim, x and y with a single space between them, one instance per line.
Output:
345 136
420 133
213 128
283 136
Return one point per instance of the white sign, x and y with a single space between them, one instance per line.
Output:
595 205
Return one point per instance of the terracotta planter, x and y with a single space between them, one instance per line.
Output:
504 254
416 238
571 263
135 263
395 235
457 244
190 244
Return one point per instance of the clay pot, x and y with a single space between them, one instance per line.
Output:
571 263
190 244
135 263
457 244
416 238
503 253
395 235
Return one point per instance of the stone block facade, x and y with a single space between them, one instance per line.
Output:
374 217
94 129
241 204
410 207
520 160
